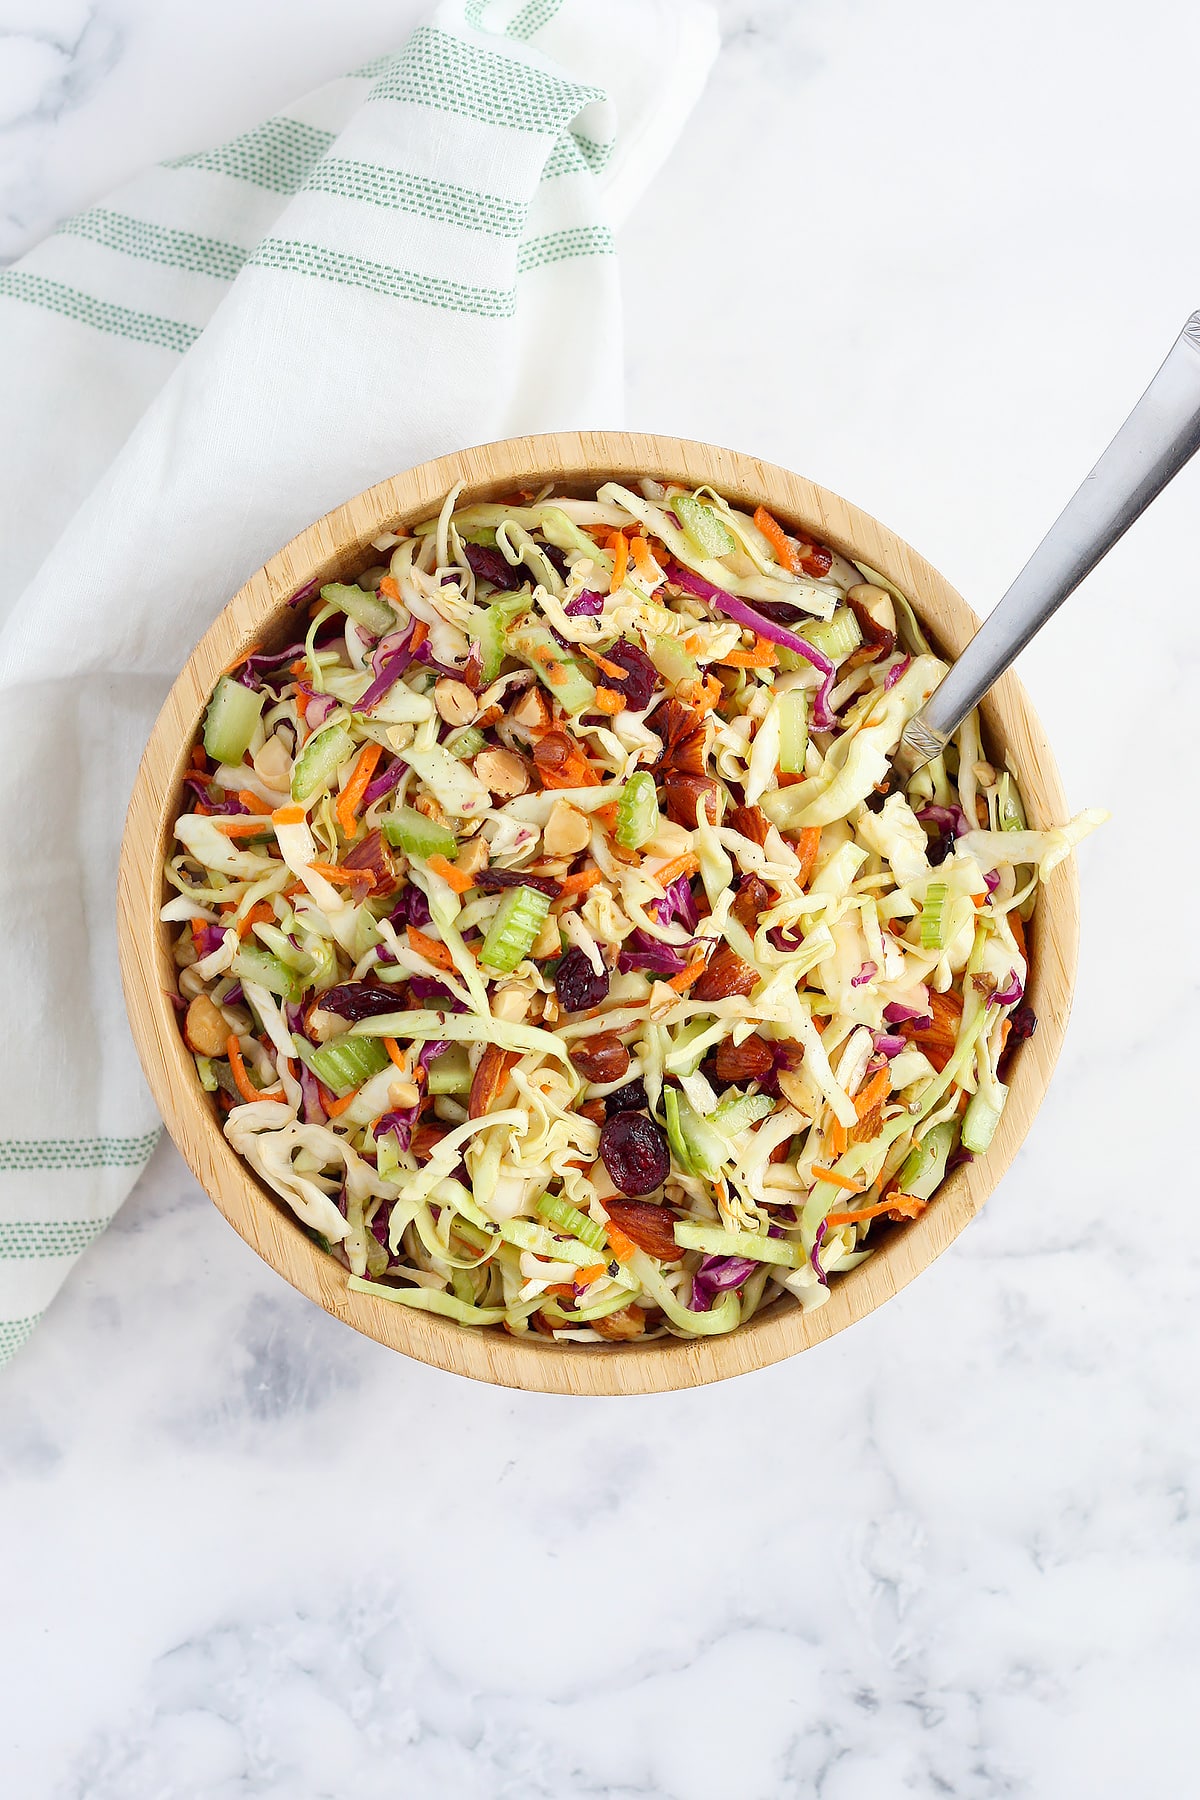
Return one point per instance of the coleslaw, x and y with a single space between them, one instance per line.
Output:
549 942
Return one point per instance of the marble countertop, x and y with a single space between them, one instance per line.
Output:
952 1552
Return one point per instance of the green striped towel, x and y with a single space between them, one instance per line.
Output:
416 257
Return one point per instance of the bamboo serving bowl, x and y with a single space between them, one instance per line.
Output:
337 548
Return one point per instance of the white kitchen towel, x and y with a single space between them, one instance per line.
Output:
414 258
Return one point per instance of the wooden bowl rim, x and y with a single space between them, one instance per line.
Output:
336 546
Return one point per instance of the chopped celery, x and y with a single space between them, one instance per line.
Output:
698 1149
714 1241
252 964
672 661
793 731
925 1164
933 917
511 934
637 811
450 1073
741 1111
207 1074
835 637
980 1121
366 609
320 760
346 1062
568 1218
701 524
489 631
466 742
229 724
408 830
554 666
1009 811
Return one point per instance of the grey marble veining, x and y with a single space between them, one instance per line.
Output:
928 255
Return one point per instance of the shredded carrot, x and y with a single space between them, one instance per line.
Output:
842 1181
579 884
688 977
808 842
245 1086
334 1107
252 803
622 1247
562 1290
687 864
262 914
299 667
288 815
241 824
339 877
199 759
835 1219
198 929
876 1091
779 541
397 1055
420 632
643 562
350 798
618 543
836 1138
593 1272
762 656
701 696
607 815
603 663
1017 928
455 878
388 588
429 948
609 701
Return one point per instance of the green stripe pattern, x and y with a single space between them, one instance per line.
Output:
13 1333
76 1153
26 1240
529 20
154 243
441 71
277 155
443 201
85 309
380 278
558 246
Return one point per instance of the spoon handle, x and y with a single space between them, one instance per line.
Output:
1157 438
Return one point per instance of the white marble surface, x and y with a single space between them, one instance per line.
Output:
927 254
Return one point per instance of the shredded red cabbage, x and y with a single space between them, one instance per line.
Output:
314 1112
391 658
947 818
208 940
255 667
741 614
587 605
715 1275
652 957
304 593
896 1014
894 673
890 1043
868 972
991 880
814 1256
490 881
412 908
1008 995
383 784
434 993
678 902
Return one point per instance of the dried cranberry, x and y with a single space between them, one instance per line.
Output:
576 982
358 1000
641 682
630 1098
634 1151
490 565
1023 1021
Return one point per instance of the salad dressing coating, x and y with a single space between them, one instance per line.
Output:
549 943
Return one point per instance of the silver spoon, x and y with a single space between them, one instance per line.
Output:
1157 438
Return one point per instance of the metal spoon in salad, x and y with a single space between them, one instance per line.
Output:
1156 440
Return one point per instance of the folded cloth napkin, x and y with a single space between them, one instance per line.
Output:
414 258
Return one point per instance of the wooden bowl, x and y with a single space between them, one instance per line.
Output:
337 547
